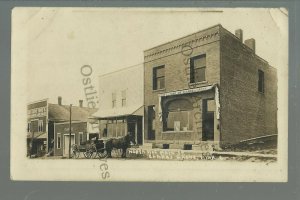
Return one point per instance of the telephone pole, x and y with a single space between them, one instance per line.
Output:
70 131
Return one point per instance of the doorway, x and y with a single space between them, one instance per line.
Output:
136 128
208 115
66 143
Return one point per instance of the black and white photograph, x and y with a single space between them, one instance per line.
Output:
149 94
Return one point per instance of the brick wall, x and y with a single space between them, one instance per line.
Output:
175 56
64 129
245 112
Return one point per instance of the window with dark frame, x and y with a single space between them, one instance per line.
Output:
40 126
261 81
58 140
28 127
114 100
198 68
80 137
123 98
178 116
159 77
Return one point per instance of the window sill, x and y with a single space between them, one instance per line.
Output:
159 90
188 131
198 83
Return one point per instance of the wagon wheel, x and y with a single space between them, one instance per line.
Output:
90 151
75 151
102 153
87 152
94 152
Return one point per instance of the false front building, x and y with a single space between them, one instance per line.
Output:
208 86
48 125
121 107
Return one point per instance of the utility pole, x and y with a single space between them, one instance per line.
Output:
70 125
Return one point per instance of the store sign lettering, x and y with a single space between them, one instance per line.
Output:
37 112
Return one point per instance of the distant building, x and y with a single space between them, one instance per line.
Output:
208 86
121 107
42 118
80 133
37 128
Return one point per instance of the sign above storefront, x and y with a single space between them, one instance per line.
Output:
37 112
201 89
180 92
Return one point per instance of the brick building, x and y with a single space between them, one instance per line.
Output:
80 133
208 86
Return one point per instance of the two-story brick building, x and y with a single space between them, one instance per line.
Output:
208 86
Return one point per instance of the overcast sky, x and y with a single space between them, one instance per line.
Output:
57 42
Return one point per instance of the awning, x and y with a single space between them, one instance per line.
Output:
119 112
37 135
187 91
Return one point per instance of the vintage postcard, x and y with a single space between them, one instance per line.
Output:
149 94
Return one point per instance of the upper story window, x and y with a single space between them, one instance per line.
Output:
159 77
40 126
80 137
58 144
123 98
114 100
28 127
197 68
261 81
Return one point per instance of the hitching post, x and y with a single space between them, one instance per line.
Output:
70 125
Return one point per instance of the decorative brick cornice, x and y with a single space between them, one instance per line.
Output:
191 43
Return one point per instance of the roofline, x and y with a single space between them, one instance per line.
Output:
107 117
37 101
123 69
73 122
74 106
217 25
242 42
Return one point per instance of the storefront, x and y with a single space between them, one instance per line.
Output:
185 116
119 123
36 144
79 135
121 107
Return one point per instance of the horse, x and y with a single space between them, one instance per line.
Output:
119 143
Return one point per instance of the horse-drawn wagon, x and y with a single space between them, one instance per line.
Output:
103 148
90 149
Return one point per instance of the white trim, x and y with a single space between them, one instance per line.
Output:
260 137
67 134
136 131
186 91
79 133
73 122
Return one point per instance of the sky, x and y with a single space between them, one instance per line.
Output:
52 44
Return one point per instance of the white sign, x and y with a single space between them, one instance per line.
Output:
37 112
186 91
